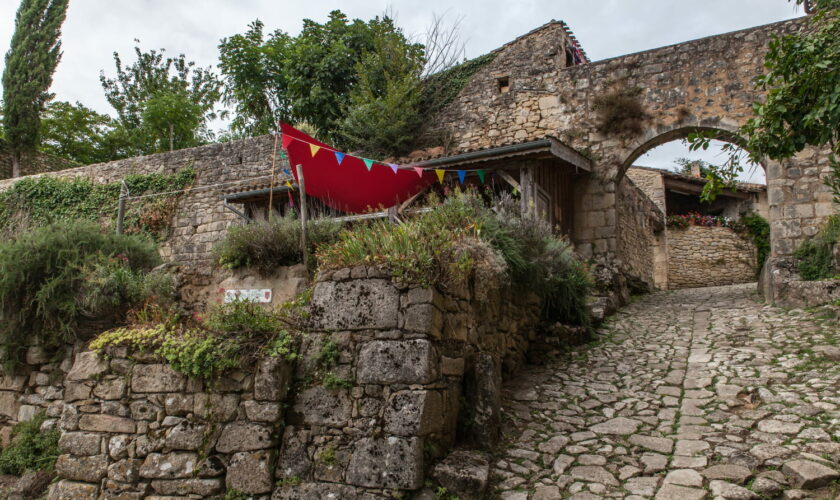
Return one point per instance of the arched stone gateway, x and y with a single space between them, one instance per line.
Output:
705 84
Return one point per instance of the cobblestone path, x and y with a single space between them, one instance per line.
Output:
703 393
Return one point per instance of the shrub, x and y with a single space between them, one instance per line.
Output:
58 278
448 244
815 258
758 230
620 112
30 449
232 335
265 245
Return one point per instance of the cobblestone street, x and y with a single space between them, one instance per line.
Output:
686 395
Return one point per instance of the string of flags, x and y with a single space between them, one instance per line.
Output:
314 149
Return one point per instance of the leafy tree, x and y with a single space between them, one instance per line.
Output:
162 103
383 112
255 80
34 53
80 134
686 164
802 107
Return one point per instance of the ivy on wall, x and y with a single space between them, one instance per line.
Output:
45 200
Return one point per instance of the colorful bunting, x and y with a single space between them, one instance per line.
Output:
440 174
419 171
289 185
314 149
462 175
339 156
287 171
368 163
481 175
394 167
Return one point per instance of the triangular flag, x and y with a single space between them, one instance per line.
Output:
339 156
481 175
462 175
368 163
419 171
289 184
394 167
440 174
287 139
314 149
287 171
283 154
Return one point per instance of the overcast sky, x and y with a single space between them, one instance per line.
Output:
96 28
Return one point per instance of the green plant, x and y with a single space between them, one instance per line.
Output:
264 245
815 258
620 112
199 354
282 346
234 494
288 482
327 455
758 230
333 381
328 354
56 278
30 448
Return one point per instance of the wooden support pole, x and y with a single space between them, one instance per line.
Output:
303 215
121 207
273 176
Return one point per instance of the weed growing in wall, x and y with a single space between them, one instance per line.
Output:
817 258
30 449
620 112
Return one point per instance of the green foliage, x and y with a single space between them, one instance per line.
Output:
30 449
79 134
233 335
461 237
48 275
162 103
287 482
815 258
620 112
34 53
234 494
265 245
327 455
685 166
333 381
328 354
46 200
383 115
758 229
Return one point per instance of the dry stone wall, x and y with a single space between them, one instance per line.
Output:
709 256
640 224
132 428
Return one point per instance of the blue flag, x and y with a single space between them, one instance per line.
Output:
462 175
339 156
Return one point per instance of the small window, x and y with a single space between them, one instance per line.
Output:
504 84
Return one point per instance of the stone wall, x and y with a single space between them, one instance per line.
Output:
651 183
416 356
417 370
709 256
639 227
201 219
131 428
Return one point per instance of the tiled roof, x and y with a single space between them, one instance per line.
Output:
740 186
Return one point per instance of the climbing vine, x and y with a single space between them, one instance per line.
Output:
45 200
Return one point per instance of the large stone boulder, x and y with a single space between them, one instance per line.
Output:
464 474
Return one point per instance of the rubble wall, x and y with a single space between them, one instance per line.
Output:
709 256
639 227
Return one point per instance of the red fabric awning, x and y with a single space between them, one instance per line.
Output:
349 186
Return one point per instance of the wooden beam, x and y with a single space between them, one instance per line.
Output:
510 180
569 155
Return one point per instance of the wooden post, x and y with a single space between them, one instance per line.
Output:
121 207
273 176
303 214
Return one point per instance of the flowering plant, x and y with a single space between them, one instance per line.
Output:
695 219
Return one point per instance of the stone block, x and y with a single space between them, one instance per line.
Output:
414 413
110 389
27 413
318 491
256 411
125 471
12 382
87 366
397 362
387 462
90 469
809 475
356 304
156 378
186 435
72 490
251 472
272 379
80 443
216 407
178 465
294 459
9 404
106 423
76 391
464 474
194 486
244 436
321 406
179 405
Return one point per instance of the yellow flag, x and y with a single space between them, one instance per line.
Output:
440 174
314 149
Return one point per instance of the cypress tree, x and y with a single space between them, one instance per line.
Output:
30 63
